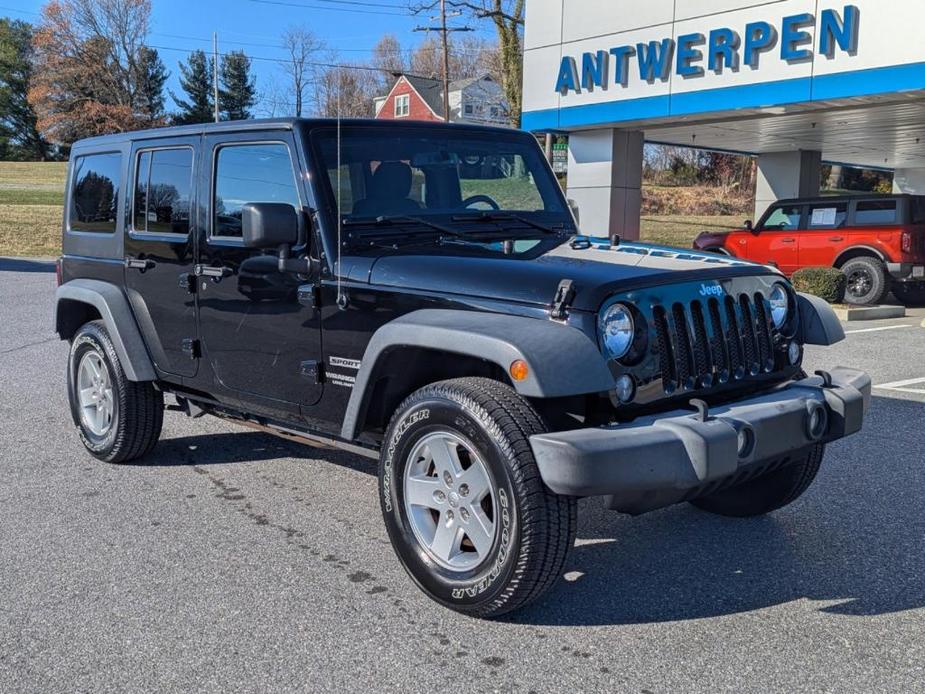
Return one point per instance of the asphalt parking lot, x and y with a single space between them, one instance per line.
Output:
234 561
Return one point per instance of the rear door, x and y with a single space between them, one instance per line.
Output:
159 250
263 343
824 236
776 240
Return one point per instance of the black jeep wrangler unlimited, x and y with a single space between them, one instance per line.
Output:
420 294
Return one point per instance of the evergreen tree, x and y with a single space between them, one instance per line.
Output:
196 81
150 83
19 135
238 92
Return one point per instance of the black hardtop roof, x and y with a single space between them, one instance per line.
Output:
303 124
844 197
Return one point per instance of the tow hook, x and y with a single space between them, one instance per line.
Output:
703 409
565 294
826 378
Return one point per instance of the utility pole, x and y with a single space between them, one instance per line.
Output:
215 74
444 31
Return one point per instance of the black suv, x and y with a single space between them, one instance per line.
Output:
419 294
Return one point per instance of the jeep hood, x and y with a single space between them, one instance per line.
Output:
597 271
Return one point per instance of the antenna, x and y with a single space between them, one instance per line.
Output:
444 30
341 302
215 73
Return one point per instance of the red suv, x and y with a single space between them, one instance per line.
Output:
877 240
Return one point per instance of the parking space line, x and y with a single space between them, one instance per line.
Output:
903 386
876 330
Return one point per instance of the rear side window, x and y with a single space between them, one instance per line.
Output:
250 173
163 184
784 218
918 210
828 215
95 195
876 212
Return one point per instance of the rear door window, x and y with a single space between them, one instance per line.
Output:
95 193
828 215
784 218
918 210
250 173
163 184
876 212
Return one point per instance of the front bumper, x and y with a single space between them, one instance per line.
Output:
660 460
906 271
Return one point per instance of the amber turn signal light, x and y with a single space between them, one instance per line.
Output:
519 370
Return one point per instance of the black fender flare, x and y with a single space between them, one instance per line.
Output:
819 324
112 305
562 360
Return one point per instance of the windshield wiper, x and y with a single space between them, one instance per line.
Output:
389 220
491 216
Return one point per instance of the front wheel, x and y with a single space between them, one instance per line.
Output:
768 492
463 502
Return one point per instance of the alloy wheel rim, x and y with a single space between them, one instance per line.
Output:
450 501
95 394
859 283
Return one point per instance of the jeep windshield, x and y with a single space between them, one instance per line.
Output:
460 184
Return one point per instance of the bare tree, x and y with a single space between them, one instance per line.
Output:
389 59
346 90
302 45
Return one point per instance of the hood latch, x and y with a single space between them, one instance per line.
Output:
565 294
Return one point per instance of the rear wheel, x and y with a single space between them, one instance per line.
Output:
910 293
767 492
117 420
463 502
867 281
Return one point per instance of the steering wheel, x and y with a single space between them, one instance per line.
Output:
475 199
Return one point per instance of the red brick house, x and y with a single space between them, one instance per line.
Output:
474 100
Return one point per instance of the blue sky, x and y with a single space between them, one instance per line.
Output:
351 27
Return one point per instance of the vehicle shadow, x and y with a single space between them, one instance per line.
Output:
26 265
245 447
855 543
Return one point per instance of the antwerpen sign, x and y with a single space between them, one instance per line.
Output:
721 49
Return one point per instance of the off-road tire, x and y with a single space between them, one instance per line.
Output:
768 492
139 407
873 272
529 553
909 293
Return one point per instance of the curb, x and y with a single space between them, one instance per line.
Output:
859 313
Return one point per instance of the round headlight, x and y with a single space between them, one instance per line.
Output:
617 329
780 305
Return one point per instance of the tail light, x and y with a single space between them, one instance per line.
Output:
59 272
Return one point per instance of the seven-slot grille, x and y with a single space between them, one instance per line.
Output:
715 340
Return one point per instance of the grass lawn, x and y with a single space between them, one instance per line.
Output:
680 230
31 196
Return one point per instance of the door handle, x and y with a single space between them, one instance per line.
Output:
788 240
836 238
138 264
216 273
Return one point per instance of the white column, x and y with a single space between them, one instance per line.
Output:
909 181
605 181
786 175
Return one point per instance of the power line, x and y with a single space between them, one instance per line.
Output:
333 9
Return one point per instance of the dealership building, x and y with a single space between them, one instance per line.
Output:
795 82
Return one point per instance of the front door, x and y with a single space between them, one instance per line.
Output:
159 251
262 342
776 240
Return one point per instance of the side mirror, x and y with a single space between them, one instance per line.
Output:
748 225
267 225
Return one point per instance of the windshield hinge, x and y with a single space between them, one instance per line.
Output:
563 299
